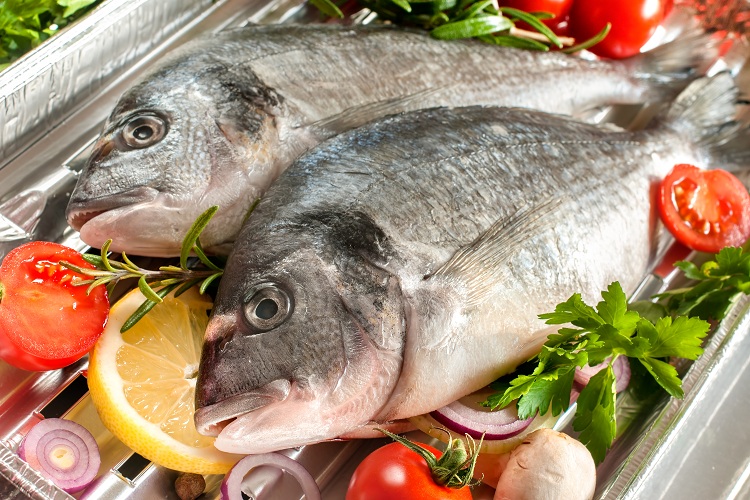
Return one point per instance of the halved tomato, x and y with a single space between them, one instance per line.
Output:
705 210
46 320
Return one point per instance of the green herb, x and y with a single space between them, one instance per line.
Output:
25 24
600 334
155 285
719 283
457 19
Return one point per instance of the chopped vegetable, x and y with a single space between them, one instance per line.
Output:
500 431
609 331
231 487
548 464
46 320
705 210
24 25
62 451
408 470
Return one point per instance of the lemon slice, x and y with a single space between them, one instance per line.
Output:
142 382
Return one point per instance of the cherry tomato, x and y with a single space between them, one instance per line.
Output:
705 210
397 473
46 322
558 8
633 23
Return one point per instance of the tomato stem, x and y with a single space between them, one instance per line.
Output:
2 292
454 469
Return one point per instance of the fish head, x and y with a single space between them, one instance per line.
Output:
305 342
193 133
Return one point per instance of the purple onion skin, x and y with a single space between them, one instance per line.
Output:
516 428
233 480
621 368
53 432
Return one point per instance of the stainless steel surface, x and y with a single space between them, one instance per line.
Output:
54 103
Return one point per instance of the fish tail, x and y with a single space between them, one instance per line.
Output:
705 113
667 69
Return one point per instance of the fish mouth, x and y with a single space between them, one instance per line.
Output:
211 420
80 212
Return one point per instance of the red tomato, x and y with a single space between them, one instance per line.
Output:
705 210
633 23
394 472
45 321
559 8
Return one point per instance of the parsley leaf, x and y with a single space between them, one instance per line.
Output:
720 283
602 334
595 414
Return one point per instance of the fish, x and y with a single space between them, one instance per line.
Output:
216 121
400 266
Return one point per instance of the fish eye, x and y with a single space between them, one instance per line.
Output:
267 307
143 131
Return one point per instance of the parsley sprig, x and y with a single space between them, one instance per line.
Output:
155 285
719 283
602 333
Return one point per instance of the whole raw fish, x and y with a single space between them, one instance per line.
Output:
217 121
402 265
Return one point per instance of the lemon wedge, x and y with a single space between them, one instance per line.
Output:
142 382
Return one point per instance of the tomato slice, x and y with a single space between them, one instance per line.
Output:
705 210
46 321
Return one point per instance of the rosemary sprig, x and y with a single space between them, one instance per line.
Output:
154 285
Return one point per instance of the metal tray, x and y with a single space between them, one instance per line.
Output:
48 122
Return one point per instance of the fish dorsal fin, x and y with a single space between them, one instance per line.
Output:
356 116
479 265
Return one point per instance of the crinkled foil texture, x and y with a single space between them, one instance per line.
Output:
41 88
18 481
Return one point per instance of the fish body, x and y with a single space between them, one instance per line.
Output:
402 265
219 119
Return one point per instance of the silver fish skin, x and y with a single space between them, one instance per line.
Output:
402 265
217 121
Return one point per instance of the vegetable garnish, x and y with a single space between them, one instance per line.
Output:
485 20
425 472
142 382
62 451
705 210
231 487
155 285
719 283
46 320
25 25
609 331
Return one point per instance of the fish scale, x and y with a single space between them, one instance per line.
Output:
402 289
236 108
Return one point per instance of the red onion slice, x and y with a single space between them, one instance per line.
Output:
469 417
621 369
62 451
231 487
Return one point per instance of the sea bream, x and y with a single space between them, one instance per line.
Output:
217 120
402 265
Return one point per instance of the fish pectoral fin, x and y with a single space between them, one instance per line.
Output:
357 116
479 266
